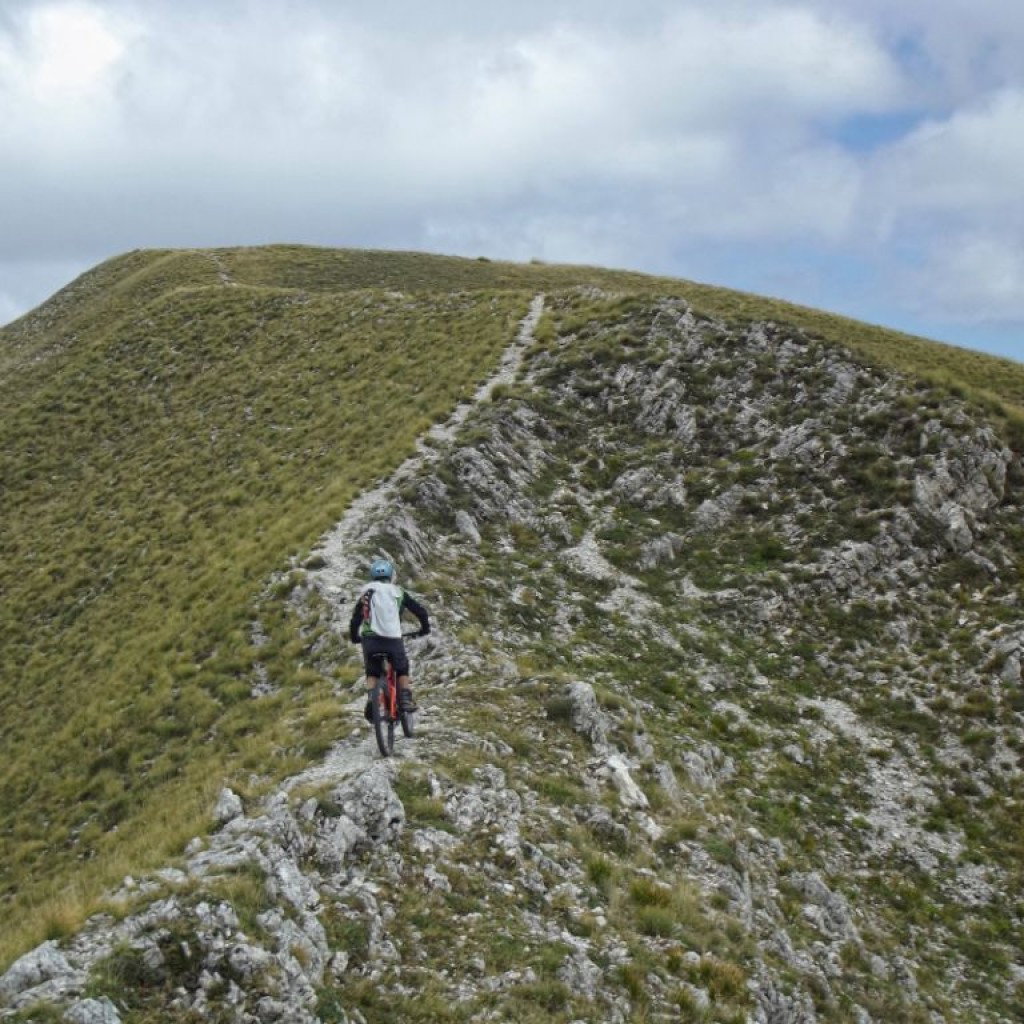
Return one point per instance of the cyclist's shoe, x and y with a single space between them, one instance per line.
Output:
368 710
406 702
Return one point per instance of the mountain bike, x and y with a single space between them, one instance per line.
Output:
384 706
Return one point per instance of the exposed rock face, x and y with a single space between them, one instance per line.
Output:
45 970
722 720
93 1011
271 975
966 481
587 718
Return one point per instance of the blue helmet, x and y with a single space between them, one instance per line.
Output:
381 569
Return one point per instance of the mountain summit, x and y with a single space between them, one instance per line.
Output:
722 718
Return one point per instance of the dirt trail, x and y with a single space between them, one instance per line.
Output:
341 548
343 553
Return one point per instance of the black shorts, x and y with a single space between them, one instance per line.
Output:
391 646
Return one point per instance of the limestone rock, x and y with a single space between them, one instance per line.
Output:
586 715
92 1011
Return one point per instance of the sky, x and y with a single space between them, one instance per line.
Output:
860 156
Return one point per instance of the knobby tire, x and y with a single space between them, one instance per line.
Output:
383 723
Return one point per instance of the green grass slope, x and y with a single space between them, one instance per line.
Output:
177 428
156 473
115 288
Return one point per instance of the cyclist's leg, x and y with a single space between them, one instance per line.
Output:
371 682
372 667
401 662
406 701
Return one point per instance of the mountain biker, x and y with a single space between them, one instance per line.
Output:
376 623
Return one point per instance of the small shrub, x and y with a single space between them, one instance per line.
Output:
559 708
601 872
658 921
724 980
645 892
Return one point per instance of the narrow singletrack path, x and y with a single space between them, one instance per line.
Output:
342 551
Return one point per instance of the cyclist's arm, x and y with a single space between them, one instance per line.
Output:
411 605
356 623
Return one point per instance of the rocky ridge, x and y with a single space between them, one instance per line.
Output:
722 718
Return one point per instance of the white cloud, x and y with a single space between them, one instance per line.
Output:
955 48
972 161
950 194
57 76
704 117
618 131
561 101
65 51
975 279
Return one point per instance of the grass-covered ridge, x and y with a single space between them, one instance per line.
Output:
155 477
113 289
178 427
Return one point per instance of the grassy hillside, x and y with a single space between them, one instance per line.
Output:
115 288
156 473
177 429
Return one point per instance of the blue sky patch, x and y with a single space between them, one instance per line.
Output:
864 133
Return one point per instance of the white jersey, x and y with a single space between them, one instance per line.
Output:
385 609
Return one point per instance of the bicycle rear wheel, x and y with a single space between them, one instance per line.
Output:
383 723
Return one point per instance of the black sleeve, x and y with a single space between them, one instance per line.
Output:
410 604
357 621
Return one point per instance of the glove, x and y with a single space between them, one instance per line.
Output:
424 632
